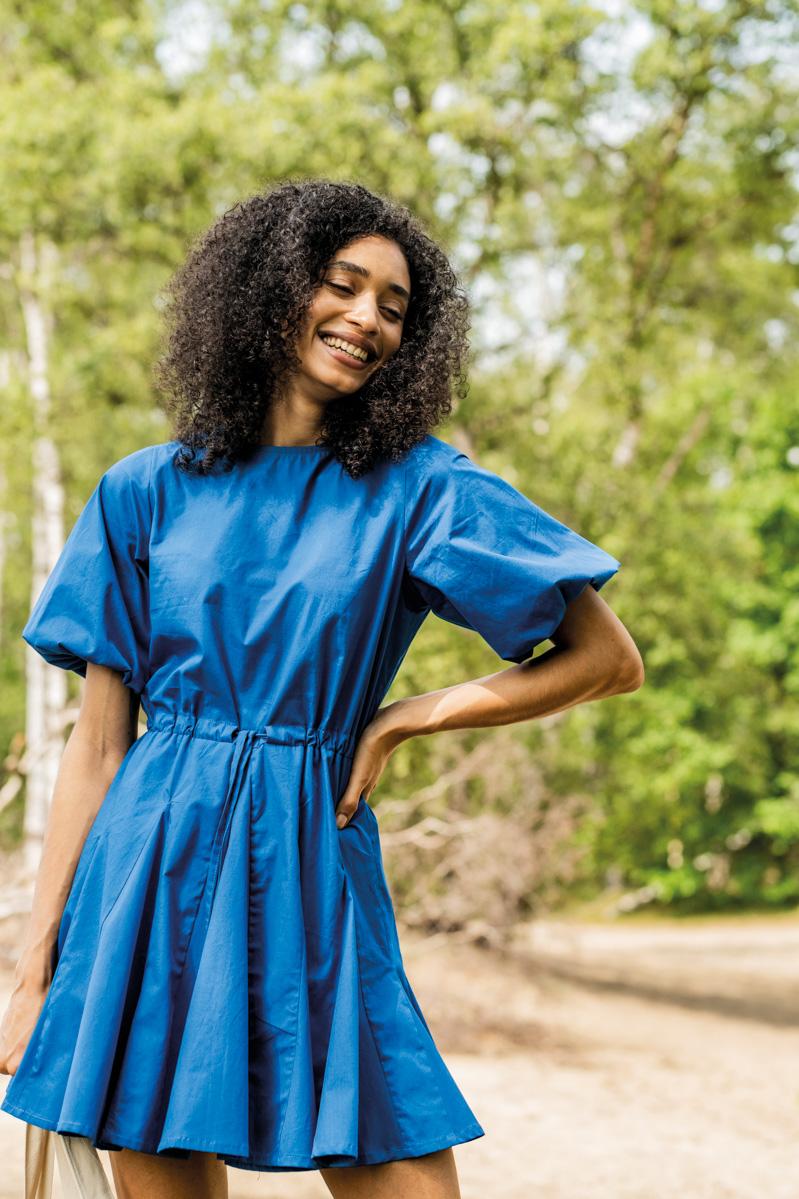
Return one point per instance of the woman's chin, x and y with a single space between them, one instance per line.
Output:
341 382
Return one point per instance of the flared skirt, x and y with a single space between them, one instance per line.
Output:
228 974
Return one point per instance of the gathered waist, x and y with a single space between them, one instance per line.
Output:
186 724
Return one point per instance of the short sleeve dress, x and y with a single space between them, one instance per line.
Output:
228 975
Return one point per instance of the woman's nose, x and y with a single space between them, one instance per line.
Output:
364 311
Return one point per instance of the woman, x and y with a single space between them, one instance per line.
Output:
212 973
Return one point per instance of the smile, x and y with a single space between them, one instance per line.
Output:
346 351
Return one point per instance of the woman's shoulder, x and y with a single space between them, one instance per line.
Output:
436 467
431 457
138 467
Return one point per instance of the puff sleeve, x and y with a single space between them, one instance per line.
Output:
485 557
94 605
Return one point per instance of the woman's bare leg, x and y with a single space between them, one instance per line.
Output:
151 1176
433 1176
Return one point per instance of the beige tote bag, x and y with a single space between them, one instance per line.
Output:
79 1167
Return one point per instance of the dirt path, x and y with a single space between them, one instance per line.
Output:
616 1062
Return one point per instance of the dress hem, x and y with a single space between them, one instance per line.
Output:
287 1163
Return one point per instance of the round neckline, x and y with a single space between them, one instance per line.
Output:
262 446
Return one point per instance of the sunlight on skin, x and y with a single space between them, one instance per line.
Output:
204 1176
148 1176
433 1176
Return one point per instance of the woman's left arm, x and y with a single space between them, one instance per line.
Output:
593 656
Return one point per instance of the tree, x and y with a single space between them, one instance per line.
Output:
619 192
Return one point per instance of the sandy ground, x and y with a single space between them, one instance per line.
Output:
625 1061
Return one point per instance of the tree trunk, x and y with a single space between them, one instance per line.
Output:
5 521
46 686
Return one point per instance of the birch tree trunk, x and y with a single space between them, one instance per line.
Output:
5 521
46 686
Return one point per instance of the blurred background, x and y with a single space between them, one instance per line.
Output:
598 910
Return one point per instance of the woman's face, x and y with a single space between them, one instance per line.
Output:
361 301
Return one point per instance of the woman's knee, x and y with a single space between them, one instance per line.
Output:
139 1175
432 1176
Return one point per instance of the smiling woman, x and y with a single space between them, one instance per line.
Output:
228 983
360 323
319 299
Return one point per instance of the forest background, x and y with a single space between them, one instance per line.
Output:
617 185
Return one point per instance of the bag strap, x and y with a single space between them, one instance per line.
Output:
79 1167
39 1151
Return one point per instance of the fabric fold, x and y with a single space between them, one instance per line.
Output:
228 979
229 975
336 1128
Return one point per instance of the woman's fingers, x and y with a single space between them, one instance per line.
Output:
371 754
348 804
18 1023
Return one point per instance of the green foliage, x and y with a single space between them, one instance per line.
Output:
619 193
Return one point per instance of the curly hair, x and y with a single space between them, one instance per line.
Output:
237 304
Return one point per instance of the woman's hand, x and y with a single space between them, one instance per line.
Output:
375 746
593 656
19 1021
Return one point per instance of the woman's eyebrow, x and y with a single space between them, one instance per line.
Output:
357 269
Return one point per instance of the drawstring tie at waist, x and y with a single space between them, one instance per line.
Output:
341 741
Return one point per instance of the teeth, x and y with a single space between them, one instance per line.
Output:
347 346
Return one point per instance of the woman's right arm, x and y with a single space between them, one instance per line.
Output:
105 729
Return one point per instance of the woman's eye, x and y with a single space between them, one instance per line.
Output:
397 316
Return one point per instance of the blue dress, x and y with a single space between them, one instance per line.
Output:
228 975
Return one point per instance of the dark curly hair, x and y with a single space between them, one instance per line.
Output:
237 304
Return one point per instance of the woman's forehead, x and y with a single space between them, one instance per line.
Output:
367 257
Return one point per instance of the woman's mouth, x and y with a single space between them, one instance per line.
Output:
346 352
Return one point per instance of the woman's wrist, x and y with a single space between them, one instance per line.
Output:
34 968
399 721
